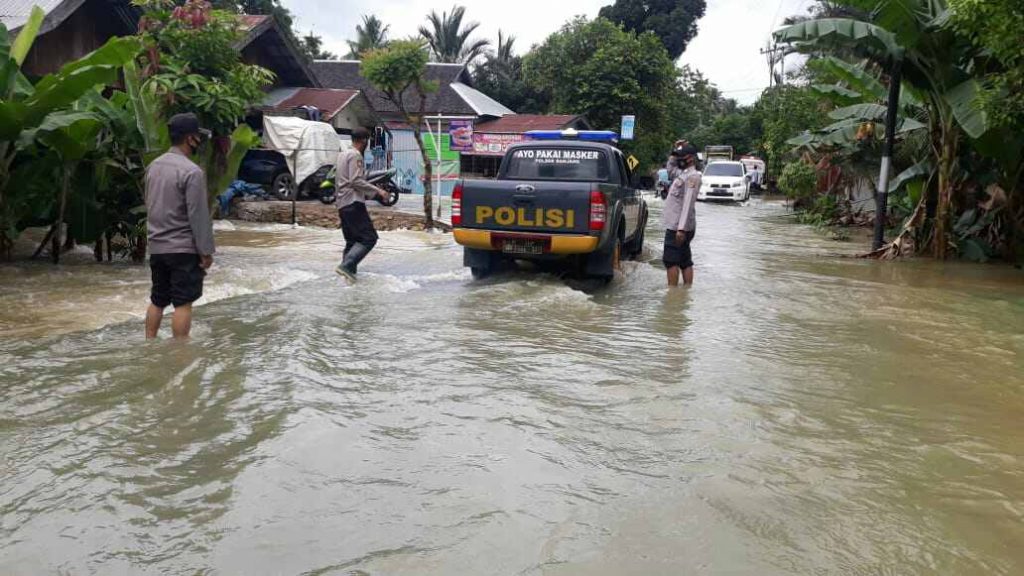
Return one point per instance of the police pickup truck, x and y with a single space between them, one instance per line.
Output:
564 197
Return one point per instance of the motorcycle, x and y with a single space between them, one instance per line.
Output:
383 179
661 190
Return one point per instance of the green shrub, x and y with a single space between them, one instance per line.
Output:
798 180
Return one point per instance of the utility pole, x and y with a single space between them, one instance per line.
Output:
775 54
882 197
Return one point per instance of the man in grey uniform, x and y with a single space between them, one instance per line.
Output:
353 192
680 215
180 230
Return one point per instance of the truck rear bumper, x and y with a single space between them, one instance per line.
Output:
557 243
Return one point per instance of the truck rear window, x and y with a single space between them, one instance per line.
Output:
557 164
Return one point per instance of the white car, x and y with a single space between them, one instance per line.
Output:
725 180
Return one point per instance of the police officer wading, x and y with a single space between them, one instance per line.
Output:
353 192
180 230
680 216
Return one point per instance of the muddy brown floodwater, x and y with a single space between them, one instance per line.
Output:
797 412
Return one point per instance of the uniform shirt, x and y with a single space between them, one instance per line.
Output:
680 212
350 179
177 209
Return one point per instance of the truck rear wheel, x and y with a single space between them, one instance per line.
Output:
636 246
482 263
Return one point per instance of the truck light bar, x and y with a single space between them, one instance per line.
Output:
570 134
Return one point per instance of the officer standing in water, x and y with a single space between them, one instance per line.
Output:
680 215
179 228
353 192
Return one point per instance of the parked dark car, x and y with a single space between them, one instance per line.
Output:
269 169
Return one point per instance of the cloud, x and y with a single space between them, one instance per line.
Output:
732 33
726 49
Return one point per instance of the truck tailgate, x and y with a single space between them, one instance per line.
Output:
517 206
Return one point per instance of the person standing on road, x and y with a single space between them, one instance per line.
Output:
679 217
353 192
179 228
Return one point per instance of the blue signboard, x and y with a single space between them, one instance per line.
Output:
628 126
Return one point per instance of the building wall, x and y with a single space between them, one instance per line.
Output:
81 33
409 163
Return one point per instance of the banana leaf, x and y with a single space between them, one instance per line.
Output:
855 34
855 76
27 35
967 107
920 171
99 68
872 112
838 95
153 131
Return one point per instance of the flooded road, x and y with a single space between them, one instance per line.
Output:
796 412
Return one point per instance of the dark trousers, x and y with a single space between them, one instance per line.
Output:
360 236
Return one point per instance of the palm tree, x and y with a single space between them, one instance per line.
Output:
370 35
504 52
449 39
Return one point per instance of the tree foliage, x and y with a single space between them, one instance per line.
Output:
310 44
313 46
501 77
370 35
783 112
949 86
596 68
673 21
995 27
798 180
44 127
397 71
197 68
186 77
449 37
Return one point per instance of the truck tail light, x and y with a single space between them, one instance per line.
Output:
598 210
457 205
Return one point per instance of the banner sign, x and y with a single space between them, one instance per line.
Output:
628 127
494 144
461 134
558 156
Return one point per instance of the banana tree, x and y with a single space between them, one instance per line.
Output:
71 135
25 107
909 35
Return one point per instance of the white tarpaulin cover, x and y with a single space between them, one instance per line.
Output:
306 145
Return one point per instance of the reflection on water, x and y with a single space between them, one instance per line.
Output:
795 412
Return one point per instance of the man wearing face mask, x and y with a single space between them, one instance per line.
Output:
352 194
180 229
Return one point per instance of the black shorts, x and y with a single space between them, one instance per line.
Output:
357 226
177 279
676 255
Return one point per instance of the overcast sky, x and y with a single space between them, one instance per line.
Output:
725 50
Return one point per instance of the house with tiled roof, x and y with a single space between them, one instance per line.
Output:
74 28
455 96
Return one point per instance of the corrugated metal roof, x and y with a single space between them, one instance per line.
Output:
328 101
278 95
250 21
520 123
483 104
14 13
